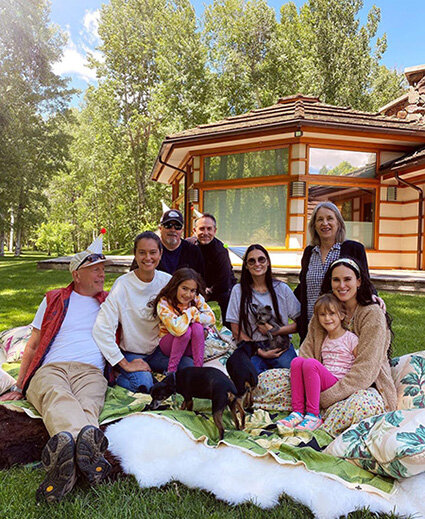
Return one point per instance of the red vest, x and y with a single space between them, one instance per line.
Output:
57 306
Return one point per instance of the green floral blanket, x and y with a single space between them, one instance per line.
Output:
261 436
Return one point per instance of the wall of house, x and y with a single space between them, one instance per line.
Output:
395 229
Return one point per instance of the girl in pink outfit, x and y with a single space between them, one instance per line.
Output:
309 377
183 313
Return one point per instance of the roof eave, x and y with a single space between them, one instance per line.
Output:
296 123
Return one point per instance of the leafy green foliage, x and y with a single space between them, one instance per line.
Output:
55 237
32 143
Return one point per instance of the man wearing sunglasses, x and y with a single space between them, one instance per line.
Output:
61 374
177 253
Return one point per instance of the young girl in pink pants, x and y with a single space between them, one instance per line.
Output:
309 377
183 313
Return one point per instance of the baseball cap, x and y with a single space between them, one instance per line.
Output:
173 215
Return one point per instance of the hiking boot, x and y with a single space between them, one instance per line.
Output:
292 420
91 444
58 459
311 422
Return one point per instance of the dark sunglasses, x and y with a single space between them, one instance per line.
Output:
91 259
252 261
173 225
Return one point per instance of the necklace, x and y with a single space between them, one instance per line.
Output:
350 320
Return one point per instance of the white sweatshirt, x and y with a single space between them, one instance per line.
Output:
127 304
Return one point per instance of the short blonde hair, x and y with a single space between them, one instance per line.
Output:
341 232
329 302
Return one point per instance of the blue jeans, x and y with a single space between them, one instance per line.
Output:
284 361
157 361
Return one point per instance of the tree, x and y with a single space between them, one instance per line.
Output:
154 62
239 35
31 108
334 53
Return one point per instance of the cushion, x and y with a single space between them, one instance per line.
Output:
217 343
13 342
391 444
408 373
6 381
273 392
360 405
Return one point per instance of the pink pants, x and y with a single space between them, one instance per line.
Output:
191 343
309 378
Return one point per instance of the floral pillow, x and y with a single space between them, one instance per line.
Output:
218 343
408 373
273 391
6 381
390 444
13 342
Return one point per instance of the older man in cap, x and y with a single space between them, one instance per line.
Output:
61 374
177 253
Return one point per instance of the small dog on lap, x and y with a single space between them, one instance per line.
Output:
263 314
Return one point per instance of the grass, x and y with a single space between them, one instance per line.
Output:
22 287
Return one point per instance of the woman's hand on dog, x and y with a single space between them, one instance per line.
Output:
264 328
134 365
269 354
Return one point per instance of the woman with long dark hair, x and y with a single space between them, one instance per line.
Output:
127 305
347 280
257 287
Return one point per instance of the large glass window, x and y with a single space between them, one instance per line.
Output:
249 215
342 163
245 165
357 206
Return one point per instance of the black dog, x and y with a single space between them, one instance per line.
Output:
242 371
263 314
210 383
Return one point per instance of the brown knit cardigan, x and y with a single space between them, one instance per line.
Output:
371 365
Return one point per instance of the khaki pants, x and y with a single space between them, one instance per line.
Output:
68 395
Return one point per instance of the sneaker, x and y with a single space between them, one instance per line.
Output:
310 423
91 444
292 420
58 459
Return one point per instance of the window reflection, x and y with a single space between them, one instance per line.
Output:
245 165
342 163
357 206
249 215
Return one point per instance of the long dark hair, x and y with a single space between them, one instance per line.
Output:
364 292
145 235
170 289
246 289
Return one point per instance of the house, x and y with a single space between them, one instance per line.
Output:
262 173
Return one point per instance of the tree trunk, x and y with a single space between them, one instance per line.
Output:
2 238
18 243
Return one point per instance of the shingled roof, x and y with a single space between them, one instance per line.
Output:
299 110
413 158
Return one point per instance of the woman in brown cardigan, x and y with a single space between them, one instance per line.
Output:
371 368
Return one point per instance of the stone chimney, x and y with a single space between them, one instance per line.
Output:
410 106
414 110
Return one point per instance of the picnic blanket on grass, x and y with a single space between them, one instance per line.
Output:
257 464
157 449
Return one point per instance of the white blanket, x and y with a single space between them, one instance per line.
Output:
157 451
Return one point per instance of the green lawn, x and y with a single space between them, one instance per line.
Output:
22 287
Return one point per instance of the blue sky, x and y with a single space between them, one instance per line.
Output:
402 21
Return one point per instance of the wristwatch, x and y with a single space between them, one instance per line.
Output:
15 389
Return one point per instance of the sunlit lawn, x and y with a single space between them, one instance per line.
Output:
22 287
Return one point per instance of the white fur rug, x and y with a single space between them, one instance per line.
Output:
157 451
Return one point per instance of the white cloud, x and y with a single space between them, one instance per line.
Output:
91 26
74 62
331 158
